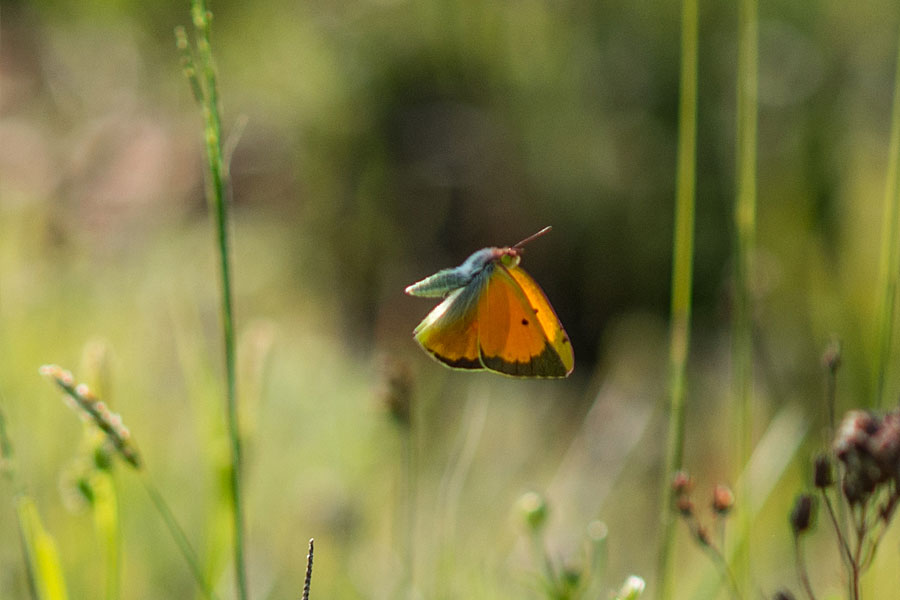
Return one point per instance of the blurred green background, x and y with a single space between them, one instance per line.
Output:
375 142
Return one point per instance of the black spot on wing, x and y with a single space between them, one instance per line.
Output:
524 321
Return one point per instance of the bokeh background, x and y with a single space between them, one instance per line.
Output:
373 142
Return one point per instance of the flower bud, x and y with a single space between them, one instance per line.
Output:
723 499
682 483
802 513
824 474
533 509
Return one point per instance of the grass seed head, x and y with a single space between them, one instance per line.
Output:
91 408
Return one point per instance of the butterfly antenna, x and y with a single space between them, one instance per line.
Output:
533 236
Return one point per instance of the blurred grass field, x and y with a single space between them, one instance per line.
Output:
374 143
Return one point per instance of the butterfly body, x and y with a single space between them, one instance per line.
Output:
494 316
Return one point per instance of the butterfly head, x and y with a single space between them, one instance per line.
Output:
509 257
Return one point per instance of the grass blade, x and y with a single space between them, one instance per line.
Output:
745 247
682 280
889 263
41 554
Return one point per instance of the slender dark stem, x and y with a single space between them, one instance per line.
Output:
309 565
859 525
802 572
842 541
884 518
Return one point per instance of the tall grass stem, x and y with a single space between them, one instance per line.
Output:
889 263
206 84
682 281
745 247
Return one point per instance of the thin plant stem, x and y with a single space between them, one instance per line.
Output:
745 241
859 518
719 560
889 262
8 469
206 84
802 572
682 282
842 541
181 540
885 514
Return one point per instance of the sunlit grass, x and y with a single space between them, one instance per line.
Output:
889 260
745 263
334 190
682 283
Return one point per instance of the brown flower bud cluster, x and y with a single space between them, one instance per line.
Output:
868 446
866 456
721 504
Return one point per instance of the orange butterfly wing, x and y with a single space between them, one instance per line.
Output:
519 334
450 331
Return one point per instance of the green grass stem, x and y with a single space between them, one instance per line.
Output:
745 247
682 281
105 510
181 540
204 84
889 262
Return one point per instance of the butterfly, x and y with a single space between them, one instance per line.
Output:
494 316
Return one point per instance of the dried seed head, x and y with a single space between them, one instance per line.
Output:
802 513
96 411
824 474
853 433
856 489
869 447
884 444
723 499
